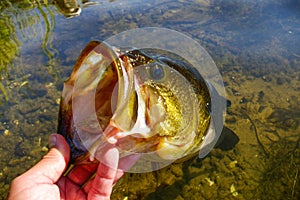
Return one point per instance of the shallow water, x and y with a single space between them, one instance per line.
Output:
256 47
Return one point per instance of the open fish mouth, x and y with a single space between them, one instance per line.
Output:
142 101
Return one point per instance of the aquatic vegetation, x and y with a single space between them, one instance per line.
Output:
9 48
281 170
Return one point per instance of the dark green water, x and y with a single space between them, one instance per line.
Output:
255 44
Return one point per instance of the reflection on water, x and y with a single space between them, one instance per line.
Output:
72 8
256 46
21 24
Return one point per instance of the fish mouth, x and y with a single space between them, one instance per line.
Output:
132 113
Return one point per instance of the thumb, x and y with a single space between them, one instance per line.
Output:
53 164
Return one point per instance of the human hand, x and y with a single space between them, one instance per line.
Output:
45 180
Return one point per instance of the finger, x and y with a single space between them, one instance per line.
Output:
88 186
125 164
101 187
69 190
53 164
81 173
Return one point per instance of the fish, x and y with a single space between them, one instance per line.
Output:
142 101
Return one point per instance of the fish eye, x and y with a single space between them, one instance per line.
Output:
156 71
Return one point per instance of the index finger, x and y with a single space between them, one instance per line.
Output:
102 184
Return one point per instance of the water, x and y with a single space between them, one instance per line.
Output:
255 44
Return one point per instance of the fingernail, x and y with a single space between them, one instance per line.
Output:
52 140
